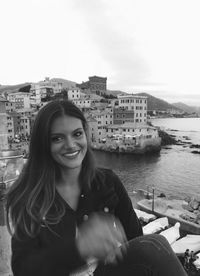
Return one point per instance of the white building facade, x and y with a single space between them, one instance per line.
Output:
137 104
21 99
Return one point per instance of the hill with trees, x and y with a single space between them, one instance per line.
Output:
12 88
187 108
154 103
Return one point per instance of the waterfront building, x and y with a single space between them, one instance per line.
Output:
130 129
103 118
131 137
136 104
122 115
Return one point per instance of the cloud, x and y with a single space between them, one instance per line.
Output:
114 42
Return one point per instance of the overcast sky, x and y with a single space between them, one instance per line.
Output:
148 46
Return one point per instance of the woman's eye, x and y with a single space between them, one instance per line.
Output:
78 133
55 139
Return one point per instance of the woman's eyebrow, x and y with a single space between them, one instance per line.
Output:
61 133
79 128
56 133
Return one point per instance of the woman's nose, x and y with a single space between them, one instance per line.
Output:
69 142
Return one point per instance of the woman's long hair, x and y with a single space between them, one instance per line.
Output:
32 195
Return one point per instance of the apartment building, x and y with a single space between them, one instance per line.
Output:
39 92
83 103
136 104
21 99
16 117
103 119
10 106
122 115
25 125
3 124
74 94
10 126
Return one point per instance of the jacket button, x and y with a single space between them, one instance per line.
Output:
85 217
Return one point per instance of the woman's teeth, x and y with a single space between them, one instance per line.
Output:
71 154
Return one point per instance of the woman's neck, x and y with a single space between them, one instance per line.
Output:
68 186
69 178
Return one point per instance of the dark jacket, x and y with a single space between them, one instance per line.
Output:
53 251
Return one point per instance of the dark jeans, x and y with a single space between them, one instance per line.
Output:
149 255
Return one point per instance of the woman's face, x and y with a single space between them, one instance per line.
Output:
68 142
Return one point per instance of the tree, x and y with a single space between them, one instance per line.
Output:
25 88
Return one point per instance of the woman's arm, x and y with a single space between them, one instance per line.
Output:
125 212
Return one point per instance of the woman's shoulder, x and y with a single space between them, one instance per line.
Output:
105 188
105 172
106 178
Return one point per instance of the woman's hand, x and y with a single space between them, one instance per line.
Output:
100 237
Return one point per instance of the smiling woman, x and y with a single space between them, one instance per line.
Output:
68 216
68 142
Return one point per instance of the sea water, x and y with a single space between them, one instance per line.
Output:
174 171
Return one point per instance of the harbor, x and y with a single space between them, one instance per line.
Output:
161 215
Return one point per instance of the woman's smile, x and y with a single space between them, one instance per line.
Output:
72 154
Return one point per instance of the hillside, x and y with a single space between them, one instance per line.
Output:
154 103
187 108
66 83
12 88
115 92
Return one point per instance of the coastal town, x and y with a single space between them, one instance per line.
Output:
118 122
